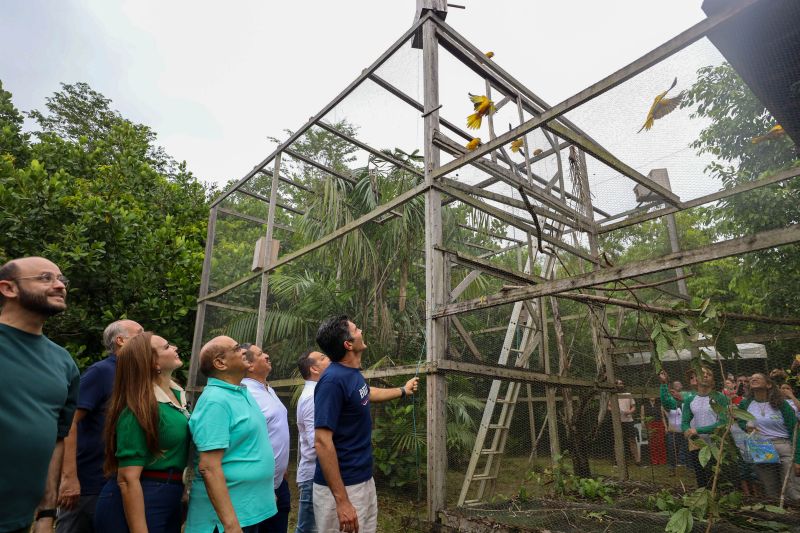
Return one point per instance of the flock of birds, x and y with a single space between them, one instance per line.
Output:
661 107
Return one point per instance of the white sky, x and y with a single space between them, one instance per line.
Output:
215 79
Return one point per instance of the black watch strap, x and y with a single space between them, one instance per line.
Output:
45 513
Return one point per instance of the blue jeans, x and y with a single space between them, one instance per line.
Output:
305 508
162 507
676 449
279 522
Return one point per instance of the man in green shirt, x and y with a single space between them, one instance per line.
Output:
233 490
38 392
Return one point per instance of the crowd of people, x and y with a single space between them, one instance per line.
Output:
119 449
682 421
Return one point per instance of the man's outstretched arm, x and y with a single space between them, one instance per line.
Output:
378 395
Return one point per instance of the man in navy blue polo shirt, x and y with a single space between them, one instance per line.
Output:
344 491
84 450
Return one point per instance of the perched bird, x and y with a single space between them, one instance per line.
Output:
516 145
483 106
776 132
489 54
662 106
537 152
474 143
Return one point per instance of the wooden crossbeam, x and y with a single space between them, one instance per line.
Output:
490 268
512 220
751 243
708 198
336 234
333 103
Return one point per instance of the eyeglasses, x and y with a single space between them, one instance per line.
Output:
46 277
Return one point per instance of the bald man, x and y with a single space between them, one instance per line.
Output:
38 391
84 448
233 487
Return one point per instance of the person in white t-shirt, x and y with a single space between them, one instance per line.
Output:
774 420
311 365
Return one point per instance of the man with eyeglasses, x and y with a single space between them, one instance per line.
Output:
82 476
233 487
38 391
278 428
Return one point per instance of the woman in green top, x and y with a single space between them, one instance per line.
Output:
147 441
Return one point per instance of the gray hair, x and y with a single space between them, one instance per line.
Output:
110 334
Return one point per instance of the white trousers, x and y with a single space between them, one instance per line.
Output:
362 496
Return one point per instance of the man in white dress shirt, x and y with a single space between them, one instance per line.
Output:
311 365
277 426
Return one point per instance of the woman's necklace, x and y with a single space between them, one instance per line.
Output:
762 406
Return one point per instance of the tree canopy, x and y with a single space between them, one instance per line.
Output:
94 193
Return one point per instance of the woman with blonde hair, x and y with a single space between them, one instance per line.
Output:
146 439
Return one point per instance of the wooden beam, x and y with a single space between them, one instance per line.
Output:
288 181
200 316
266 200
514 221
377 153
507 200
489 233
333 103
337 233
521 375
230 307
741 245
467 338
320 166
402 370
437 281
491 268
509 177
708 198
668 311
653 57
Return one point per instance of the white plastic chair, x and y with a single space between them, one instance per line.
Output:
640 441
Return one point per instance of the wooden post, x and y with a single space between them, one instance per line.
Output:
262 299
435 289
598 326
200 317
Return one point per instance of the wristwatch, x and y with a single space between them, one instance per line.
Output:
402 393
45 513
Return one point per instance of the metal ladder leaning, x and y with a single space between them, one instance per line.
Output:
522 338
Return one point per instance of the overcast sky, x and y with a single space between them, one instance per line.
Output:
215 79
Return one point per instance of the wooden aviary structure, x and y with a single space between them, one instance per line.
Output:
558 224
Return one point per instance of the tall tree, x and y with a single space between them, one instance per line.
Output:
90 196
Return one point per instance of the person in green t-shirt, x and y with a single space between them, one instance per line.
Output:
38 391
147 441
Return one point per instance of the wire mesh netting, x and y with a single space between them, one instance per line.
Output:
539 434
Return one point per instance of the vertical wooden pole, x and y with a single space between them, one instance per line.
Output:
549 391
598 326
262 298
435 290
200 317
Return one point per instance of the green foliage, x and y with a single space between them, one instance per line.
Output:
395 445
129 237
563 483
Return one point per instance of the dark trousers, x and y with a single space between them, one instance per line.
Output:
162 507
279 523
676 449
79 519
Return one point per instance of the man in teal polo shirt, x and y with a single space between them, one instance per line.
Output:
233 488
38 391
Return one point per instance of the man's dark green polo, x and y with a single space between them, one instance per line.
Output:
38 392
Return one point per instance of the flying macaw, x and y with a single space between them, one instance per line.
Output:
483 106
776 132
662 106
